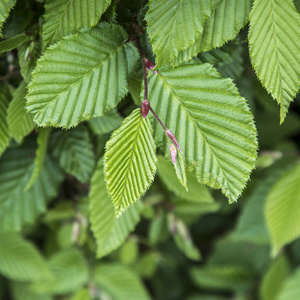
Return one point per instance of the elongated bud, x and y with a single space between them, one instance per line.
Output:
173 138
149 65
145 106
173 153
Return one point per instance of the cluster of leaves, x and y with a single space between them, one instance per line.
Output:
77 156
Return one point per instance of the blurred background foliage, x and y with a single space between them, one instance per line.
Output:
174 245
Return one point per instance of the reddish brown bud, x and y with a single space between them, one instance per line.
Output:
149 65
145 106
173 138
173 153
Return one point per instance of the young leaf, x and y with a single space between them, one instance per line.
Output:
107 123
63 17
180 170
70 271
74 151
16 206
5 7
228 17
130 161
211 121
120 283
19 121
82 294
274 39
196 191
282 209
4 131
109 232
175 25
81 77
41 152
20 260
291 287
14 42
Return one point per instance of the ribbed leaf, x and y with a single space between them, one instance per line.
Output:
16 206
4 131
174 25
283 209
19 121
74 151
70 271
225 22
130 161
120 283
63 17
5 7
107 123
196 191
291 288
211 122
40 157
20 260
274 39
14 42
109 232
274 279
81 77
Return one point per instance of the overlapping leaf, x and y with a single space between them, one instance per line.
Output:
74 151
22 291
175 25
14 42
109 232
4 131
63 17
228 17
5 7
130 161
81 77
282 209
70 271
120 283
20 260
274 39
19 120
211 122
291 288
18 207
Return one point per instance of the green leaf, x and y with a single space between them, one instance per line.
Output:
5 7
107 123
65 17
297 5
14 42
228 17
274 39
70 270
16 206
42 141
4 131
130 161
291 288
212 124
20 260
74 151
83 294
196 191
274 279
109 232
81 77
180 169
22 291
175 25
282 209
120 283
19 121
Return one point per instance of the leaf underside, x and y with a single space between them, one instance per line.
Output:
212 123
81 77
4 131
130 161
274 38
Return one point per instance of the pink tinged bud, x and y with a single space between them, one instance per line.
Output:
145 106
149 65
173 153
173 138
